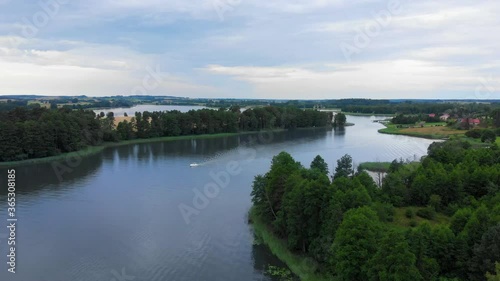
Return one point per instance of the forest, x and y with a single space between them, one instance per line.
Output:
29 133
438 219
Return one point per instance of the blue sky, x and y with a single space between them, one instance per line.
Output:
292 49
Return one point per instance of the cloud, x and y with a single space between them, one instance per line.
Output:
279 49
80 68
388 79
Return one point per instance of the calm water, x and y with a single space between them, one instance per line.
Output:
120 111
118 211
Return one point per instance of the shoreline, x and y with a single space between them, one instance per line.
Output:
416 135
301 266
92 150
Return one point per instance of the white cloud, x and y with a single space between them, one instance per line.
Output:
81 68
387 79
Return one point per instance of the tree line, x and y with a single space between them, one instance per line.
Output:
346 223
40 132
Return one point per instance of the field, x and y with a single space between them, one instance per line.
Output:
430 130
122 118
42 104
498 141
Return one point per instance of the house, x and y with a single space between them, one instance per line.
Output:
471 121
432 115
444 117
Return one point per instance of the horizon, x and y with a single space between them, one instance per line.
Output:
27 96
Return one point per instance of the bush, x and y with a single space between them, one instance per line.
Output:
413 223
474 133
488 136
427 213
384 211
497 132
410 213
435 202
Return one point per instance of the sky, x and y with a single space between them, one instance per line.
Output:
261 49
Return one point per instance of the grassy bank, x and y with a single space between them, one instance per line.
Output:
96 149
72 155
375 166
429 131
403 222
301 266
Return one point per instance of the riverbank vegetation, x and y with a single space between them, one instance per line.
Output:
427 130
40 132
484 125
374 166
435 220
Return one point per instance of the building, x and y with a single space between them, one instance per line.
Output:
444 117
472 121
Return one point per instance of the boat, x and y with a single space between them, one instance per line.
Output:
194 165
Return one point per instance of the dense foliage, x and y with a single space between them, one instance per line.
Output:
412 119
346 223
339 120
40 132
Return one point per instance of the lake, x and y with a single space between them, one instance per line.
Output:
116 215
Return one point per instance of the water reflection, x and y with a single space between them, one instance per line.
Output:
339 132
63 174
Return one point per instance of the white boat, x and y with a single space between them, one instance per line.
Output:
194 165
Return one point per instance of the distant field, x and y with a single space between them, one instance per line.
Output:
430 130
441 130
498 141
46 105
121 119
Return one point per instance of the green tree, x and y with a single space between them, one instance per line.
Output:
492 277
486 253
339 120
496 117
354 244
344 167
393 260
282 167
488 136
319 164
420 241
460 219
